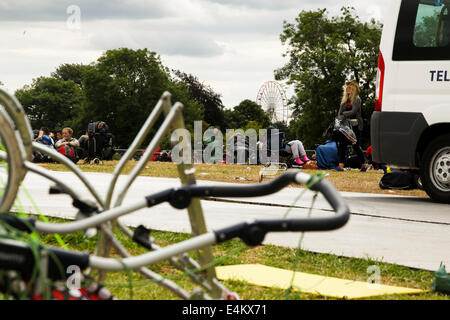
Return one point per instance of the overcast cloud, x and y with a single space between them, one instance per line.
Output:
50 10
232 45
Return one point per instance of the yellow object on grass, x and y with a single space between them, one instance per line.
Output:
264 276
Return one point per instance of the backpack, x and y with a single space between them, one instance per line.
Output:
69 152
91 128
351 158
398 180
37 157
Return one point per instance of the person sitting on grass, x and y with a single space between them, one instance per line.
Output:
296 148
52 135
45 139
59 136
83 150
68 145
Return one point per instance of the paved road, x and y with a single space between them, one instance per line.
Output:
408 231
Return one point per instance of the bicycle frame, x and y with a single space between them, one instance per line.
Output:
14 115
252 233
103 215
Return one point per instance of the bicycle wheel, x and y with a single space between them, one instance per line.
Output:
11 168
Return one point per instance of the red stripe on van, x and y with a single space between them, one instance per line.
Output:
380 83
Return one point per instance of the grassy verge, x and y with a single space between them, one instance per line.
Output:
350 181
234 252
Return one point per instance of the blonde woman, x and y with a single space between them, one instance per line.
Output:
350 109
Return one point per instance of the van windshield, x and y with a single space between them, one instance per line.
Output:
432 27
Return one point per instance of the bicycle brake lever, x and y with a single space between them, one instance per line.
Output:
55 189
86 207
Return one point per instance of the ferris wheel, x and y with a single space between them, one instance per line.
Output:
272 98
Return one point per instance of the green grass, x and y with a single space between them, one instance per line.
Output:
350 181
235 252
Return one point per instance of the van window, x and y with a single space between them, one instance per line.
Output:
423 30
432 27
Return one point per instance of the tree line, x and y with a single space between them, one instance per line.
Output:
121 88
123 85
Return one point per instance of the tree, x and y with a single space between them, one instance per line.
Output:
232 119
1 83
72 72
205 95
50 102
247 111
253 125
123 87
323 53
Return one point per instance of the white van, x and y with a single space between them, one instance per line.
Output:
410 128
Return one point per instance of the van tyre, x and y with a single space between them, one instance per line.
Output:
435 169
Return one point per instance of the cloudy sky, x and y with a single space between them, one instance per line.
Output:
231 45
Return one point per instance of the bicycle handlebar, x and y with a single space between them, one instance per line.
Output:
252 233
181 198
21 224
17 256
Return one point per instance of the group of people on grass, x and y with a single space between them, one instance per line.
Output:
87 147
92 142
349 112
62 141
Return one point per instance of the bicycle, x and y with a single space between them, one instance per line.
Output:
15 134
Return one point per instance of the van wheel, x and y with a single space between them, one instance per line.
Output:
435 169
